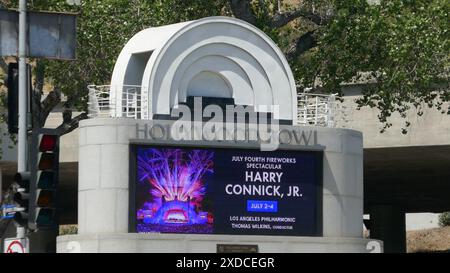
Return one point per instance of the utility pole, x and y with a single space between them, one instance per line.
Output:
23 97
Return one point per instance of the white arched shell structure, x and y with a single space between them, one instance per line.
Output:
211 57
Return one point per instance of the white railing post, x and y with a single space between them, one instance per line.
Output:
105 102
317 109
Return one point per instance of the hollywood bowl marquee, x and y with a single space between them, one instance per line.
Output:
210 154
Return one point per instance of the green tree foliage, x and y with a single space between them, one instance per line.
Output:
400 47
444 219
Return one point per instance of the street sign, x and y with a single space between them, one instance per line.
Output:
49 34
52 35
9 32
8 211
16 245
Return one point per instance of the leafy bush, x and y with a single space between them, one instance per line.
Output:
444 219
68 229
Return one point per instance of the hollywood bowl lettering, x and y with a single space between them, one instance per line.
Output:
159 131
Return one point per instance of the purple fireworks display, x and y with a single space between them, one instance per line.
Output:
176 180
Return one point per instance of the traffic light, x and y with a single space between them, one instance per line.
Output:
22 197
13 98
12 84
45 177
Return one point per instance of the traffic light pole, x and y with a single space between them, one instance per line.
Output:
23 96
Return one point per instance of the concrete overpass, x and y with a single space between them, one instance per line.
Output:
403 173
408 170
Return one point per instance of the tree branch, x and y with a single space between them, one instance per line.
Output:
69 124
282 19
53 98
301 45
37 94
242 10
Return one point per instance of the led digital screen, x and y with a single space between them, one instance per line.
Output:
225 191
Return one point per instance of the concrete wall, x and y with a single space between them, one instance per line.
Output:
104 178
432 128
167 243
417 221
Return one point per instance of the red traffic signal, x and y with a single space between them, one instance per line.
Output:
48 143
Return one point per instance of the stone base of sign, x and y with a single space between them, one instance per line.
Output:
177 243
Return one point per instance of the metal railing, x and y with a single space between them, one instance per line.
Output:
128 101
320 110
121 101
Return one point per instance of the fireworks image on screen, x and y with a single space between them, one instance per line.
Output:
175 179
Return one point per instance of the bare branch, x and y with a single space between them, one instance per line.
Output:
53 98
69 125
301 45
67 115
242 10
